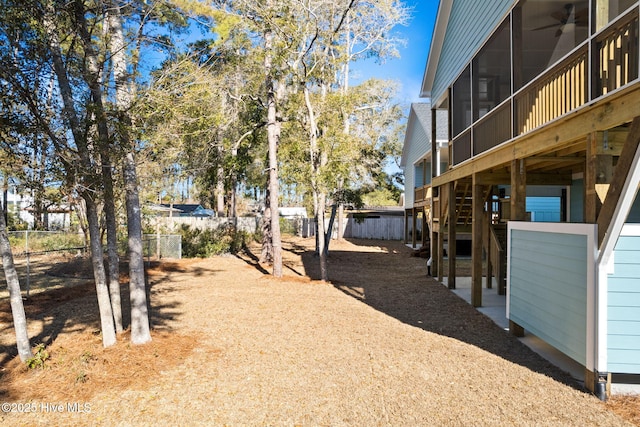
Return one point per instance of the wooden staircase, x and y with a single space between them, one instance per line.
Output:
494 236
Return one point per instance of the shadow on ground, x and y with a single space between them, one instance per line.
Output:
74 309
396 284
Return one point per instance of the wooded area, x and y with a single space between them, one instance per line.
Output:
106 105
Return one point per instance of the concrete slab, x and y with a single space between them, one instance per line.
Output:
494 306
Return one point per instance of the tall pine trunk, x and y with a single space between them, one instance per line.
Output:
140 329
13 284
273 133
87 166
97 261
94 80
113 260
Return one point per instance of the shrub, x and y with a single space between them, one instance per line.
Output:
198 243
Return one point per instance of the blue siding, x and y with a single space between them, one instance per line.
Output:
623 297
548 288
470 24
544 209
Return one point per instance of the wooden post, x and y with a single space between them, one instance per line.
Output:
435 220
488 242
476 236
451 251
414 231
425 228
518 212
591 200
443 222
406 227
518 190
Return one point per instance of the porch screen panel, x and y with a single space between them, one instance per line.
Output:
547 288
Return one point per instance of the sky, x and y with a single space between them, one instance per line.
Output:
409 68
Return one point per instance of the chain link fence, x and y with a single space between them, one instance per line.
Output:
162 245
35 252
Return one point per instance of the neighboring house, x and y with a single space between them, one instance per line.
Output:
417 166
55 217
543 100
292 212
189 209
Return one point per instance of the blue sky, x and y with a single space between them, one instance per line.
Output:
409 68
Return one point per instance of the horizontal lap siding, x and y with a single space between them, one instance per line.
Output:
623 339
548 288
419 139
471 22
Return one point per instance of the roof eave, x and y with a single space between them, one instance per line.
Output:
437 40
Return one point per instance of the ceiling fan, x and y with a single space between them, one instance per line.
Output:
567 18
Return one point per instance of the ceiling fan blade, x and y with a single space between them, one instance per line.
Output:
560 16
547 27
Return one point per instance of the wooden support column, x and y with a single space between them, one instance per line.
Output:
406 227
476 242
451 236
414 231
518 212
488 243
518 190
425 226
591 201
443 222
434 230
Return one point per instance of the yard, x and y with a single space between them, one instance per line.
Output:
381 344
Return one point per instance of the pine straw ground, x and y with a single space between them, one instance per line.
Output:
381 344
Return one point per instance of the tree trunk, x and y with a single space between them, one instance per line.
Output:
266 255
329 232
94 81
13 284
324 275
112 241
97 261
140 332
70 114
273 134
219 192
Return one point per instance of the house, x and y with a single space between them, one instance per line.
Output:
50 216
416 165
542 100
291 212
174 210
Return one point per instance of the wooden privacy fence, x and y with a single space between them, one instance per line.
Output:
389 228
